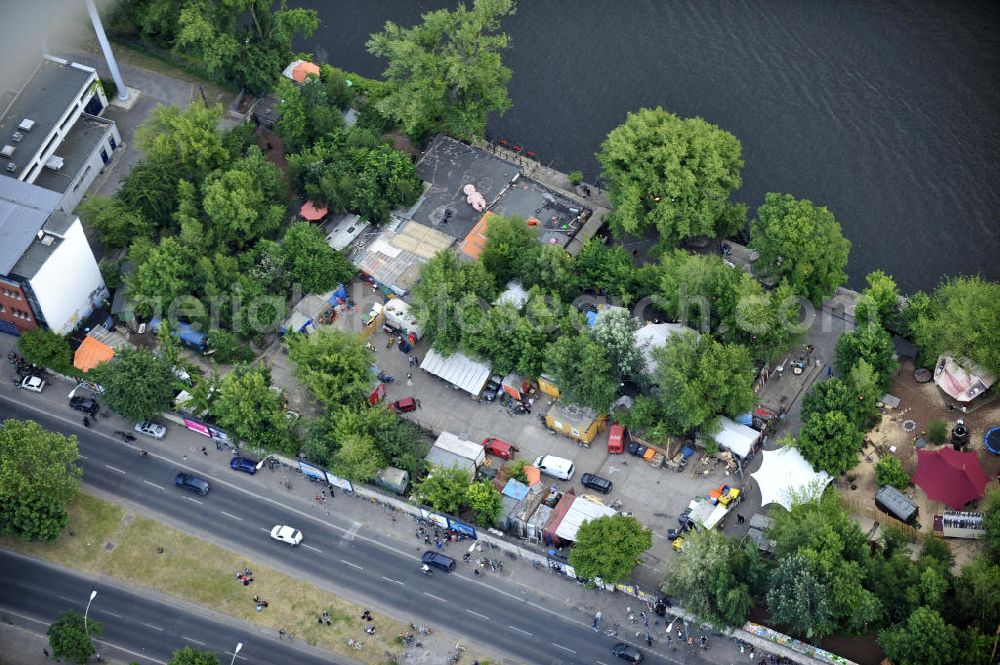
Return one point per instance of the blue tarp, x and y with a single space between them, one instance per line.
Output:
184 332
339 295
687 452
515 489
745 419
591 319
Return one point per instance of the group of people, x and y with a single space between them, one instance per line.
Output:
324 618
259 602
245 577
370 627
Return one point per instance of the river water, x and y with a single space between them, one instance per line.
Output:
884 111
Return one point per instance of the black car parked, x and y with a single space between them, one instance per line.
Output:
437 560
85 404
627 652
602 485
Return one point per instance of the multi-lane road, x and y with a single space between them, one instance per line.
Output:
338 554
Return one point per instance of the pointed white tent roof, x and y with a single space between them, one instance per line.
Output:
784 473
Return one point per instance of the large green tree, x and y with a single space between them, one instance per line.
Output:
509 341
510 245
450 297
137 384
184 142
699 379
38 479
249 410
334 365
830 442
444 489
243 42
609 547
116 223
162 276
483 498
673 175
960 319
991 523
358 457
71 638
615 332
798 598
878 302
607 269
975 601
551 268
855 395
240 210
873 344
925 639
311 262
716 578
447 70
46 348
801 242
582 370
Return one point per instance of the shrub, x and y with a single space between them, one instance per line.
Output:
575 177
889 471
937 431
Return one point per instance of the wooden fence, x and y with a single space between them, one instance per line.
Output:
870 511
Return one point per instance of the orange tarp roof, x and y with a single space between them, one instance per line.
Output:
475 242
304 69
310 212
91 354
532 474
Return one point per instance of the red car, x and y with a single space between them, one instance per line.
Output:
499 448
616 439
404 405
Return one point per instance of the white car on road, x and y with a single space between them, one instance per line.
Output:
33 383
287 534
151 429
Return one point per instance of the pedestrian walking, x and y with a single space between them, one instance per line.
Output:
740 518
46 652
417 402
829 371
409 379
388 343
204 451
410 359
281 633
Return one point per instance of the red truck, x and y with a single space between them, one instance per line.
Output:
499 448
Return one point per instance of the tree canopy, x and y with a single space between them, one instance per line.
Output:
70 637
247 408
510 243
889 471
830 442
873 344
716 578
243 42
699 379
801 242
334 365
582 370
614 332
609 547
960 319
450 295
673 175
311 262
46 348
878 302
444 489
925 639
483 498
137 384
189 656
446 71
38 479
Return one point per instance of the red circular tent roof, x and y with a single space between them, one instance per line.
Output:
949 476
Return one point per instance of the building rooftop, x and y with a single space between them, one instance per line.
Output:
43 98
41 249
394 256
24 210
558 218
449 166
74 150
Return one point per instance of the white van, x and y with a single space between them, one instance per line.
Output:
557 467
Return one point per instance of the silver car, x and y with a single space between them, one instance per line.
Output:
33 383
151 429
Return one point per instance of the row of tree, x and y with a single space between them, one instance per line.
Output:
71 638
824 578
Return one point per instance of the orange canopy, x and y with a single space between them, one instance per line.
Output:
304 69
532 474
475 242
91 354
311 213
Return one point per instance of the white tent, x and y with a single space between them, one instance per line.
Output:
457 369
785 474
736 438
654 335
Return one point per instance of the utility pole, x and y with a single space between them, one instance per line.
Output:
106 48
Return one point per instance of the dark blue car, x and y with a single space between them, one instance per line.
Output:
244 464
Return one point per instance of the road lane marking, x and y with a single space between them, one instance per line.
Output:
195 500
351 533
352 565
521 631
557 645
389 579
431 595
599 662
313 548
115 468
481 616
191 639
238 519
151 625
114 614
83 457
159 487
